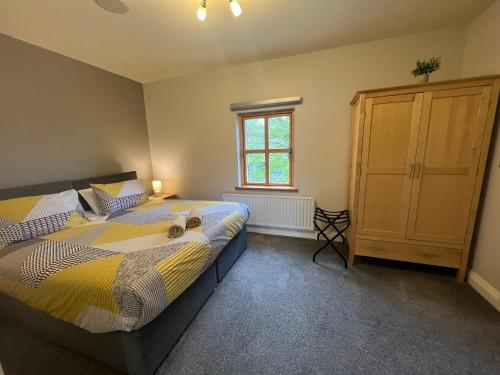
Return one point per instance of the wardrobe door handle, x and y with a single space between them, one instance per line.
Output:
411 168
419 170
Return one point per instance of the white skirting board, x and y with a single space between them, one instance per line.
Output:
282 231
485 289
289 232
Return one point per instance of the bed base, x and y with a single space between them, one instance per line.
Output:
230 254
138 352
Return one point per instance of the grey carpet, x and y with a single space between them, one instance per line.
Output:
276 312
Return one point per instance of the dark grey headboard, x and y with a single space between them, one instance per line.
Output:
57 187
84 183
40 189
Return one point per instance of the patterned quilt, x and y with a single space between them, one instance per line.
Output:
119 272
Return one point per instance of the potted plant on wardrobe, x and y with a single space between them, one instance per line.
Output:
426 67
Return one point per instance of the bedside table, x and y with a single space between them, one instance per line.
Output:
161 196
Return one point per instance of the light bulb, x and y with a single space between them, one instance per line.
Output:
157 186
202 10
235 7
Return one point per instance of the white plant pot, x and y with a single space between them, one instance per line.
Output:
424 78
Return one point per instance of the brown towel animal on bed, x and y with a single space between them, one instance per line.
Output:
178 228
194 218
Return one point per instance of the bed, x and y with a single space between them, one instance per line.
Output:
149 287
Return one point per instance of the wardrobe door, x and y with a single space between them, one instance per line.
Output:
388 155
449 145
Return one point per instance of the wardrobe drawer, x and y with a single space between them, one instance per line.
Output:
438 256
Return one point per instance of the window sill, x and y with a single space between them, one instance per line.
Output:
289 189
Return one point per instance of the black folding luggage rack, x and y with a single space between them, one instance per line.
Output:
339 221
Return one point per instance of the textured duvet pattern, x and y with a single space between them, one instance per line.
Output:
121 272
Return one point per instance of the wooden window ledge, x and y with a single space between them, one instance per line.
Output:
289 189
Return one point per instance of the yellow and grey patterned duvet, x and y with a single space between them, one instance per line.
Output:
120 272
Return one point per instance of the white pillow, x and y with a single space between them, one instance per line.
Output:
91 216
91 198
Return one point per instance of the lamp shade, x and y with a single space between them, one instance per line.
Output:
157 186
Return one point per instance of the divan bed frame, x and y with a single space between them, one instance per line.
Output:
137 352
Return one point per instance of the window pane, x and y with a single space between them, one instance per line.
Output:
279 132
255 134
279 168
256 168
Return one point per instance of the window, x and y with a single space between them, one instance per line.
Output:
267 150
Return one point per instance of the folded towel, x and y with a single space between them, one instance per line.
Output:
194 218
178 228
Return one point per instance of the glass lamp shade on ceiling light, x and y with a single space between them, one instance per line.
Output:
235 7
201 13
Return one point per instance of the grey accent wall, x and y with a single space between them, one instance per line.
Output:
63 119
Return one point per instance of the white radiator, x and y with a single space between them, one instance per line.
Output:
277 211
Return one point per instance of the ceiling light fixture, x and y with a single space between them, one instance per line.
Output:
202 9
113 6
235 7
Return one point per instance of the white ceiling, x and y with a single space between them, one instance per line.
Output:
162 38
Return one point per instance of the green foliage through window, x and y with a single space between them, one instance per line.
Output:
279 168
259 155
255 132
279 132
256 168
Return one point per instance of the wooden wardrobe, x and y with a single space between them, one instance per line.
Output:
418 158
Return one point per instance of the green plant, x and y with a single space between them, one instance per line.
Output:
427 66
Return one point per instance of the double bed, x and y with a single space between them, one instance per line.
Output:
117 289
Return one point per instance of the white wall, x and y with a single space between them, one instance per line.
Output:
482 45
481 57
192 133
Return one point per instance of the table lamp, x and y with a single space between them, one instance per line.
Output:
157 186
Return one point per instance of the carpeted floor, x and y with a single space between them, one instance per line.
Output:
276 312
